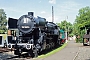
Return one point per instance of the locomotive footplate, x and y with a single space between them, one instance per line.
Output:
24 45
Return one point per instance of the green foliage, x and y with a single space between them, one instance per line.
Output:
70 35
82 23
3 21
83 18
2 31
66 26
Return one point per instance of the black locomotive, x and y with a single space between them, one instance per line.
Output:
35 35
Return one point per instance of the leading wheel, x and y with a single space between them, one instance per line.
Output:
33 53
17 52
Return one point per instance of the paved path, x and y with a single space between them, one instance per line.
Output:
84 53
68 53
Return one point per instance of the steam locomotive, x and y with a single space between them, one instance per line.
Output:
34 35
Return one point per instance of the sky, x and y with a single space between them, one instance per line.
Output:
63 9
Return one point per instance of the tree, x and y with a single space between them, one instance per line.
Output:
83 18
3 21
66 26
82 22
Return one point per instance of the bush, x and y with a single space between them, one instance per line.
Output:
79 40
76 40
79 36
2 31
70 35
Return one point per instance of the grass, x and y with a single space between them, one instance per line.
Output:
53 52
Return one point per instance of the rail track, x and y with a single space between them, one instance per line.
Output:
7 54
22 57
4 50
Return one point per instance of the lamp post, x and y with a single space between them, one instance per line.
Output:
52 14
66 35
66 30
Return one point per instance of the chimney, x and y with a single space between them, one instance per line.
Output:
31 14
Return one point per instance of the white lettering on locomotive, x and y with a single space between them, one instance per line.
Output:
25 20
25 27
